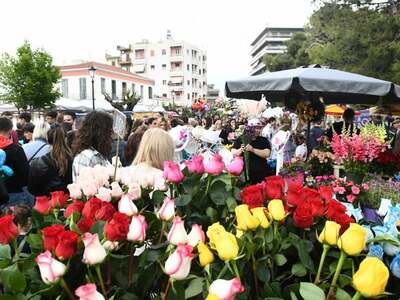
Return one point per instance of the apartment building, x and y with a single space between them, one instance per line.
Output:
270 41
179 69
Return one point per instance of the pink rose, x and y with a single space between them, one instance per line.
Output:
89 189
177 266
355 190
350 198
215 165
74 191
94 253
365 186
134 191
341 190
137 229
126 206
116 191
50 269
88 292
177 234
172 172
196 235
195 165
167 210
226 289
236 166
104 194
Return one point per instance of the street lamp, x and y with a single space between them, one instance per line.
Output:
92 72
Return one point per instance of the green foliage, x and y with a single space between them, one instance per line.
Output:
28 79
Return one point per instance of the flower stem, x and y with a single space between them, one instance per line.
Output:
15 245
255 276
222 272
161 232
208 183
321 262
166 292
66 288
103 289
337 273
235 268
130 263
356 296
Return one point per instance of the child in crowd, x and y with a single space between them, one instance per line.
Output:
22 218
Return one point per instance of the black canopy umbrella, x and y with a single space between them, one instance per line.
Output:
332 85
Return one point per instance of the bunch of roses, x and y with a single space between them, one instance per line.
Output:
45 204
322 156
348 191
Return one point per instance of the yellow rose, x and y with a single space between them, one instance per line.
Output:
212 297
330 234
352 241
212 231
239 233
276 209
226 245
371 278
245 220
259 213
205 255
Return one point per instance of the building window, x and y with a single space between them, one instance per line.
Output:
163 52
164 82
188 67
113 63
141 91
164 67
103 85
139 54
151 53
133 88
64 87
188 95
187 51
82 88
150 92
124 89
113 89
164 95
152 67
188 82
199 71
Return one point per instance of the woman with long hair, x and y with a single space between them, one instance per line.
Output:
133 144
52 171
93 142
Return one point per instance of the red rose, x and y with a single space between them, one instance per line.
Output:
344 220
67 244
59 199
106 212
303 216
325 192
294 195
85 225
75 207
334 208
252 195
42 205
274 186
8 230
117 228
91 207
51 235
312 197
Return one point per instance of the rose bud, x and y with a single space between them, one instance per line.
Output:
126 206
215 165
91 207
206 257
75 207
117 228
42 205
225 289
196 235
106 211
116 191
50 269
51 235
172 172
74 191
236 166
58 199
177 266
330 234
245 220
353 240
104 194
276 210
67 244
195 165
94 252
134 191
88 292
177 234
137 229
8 230
167 210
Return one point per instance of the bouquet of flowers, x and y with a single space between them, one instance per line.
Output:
320 162
345 190
292 169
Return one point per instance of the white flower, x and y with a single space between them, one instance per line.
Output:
94 252
126 206
177 234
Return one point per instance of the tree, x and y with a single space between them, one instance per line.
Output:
28 79
127 103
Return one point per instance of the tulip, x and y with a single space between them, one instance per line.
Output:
371 278
352 241
225 289
167 210
50 269
276 210
126 206
177 234
236 166
259 213
172 172
42 205
245 220
94 252
196 235
74 191
395 266
213 233
215 165
330 234
195 165
137 229
177 266
227 246
205 255
88 292
104 194
116 191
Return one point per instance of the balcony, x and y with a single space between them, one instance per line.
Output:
125 61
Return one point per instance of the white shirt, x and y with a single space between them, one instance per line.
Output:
301 152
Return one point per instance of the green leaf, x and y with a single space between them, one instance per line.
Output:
293 296
99 229
304 255
5 251
13 279
35 241
211 213
195 287
299 270
310 291
342 295
183 200
218 193
263 273
280 259
231 204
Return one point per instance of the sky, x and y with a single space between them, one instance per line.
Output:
73 30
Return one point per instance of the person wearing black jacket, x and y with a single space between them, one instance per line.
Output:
17 161
53 171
